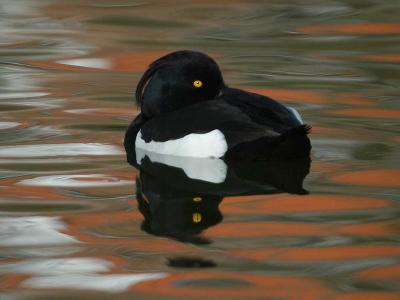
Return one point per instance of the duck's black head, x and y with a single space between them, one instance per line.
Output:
176 80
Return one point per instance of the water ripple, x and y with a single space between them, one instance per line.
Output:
51 150
90 180
104 282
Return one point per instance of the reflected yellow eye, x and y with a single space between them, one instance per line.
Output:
196 217
197 83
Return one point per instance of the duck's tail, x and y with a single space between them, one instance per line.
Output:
293 143
304 129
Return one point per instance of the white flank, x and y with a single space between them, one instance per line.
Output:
206 169
296 114
210 144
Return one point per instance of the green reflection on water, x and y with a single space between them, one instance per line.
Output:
122 20
99 127
372 151
40 207
48 166
10 107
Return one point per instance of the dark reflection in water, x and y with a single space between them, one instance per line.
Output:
190 262
175 213
179 196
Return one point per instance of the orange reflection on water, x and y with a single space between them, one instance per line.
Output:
383 57
297 204
255 229
95 219
379 178
11 281
360 28
391 272
354 98
80 225
265 229
370 229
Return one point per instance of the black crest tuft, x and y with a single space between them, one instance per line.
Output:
153 68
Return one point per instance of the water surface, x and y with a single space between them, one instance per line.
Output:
74 222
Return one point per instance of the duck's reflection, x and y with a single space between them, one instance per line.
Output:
173 212
179 196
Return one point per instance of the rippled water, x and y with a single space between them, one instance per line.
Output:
77 221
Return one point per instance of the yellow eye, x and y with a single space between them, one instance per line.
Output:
197 199
197 83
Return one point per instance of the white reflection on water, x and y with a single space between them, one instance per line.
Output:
7 125
105 283
206 169
81 110
98 63
22 95
76 273
41 103
33 231
88 180
51 150
58 266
